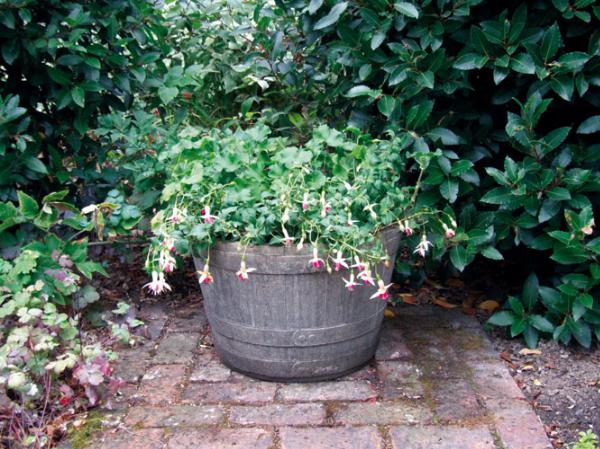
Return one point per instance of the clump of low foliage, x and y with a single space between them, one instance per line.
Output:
587 440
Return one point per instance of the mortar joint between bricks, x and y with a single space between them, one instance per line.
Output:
384 431
276 439
226 415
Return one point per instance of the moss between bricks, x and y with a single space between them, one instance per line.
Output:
81 437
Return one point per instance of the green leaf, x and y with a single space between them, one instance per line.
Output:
531 336
498 195
314 6
445 135
449 189
10 51
408 9
550 42
377 40
559 194
582 333
386 105
167 94
59 76
574 60
590 125
33 163
541 324
491 253
568 255
332 17
563 86
362 90
78 95
27 205
530 291
554 138
502 318
459 257
470 61
88 268
523 63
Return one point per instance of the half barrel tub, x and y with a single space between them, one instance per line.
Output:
287 322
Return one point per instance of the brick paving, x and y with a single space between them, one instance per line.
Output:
435 383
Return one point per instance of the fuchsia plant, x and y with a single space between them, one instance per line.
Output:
335 193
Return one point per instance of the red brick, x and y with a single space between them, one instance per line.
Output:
278 414
331 438
127 439
517 425
221 439
161 384
176 348
226 392
328 391
442 437
174 416
383 413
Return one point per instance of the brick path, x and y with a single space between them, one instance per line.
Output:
435 383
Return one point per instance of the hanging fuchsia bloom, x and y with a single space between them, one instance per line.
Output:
167 262
169 243
382 291
339 261
350 283
423 246
206 216
205 276
287 240
158 284
316 262
448 231
405 227
350 221
358 265
243 273
325 205
366 277
369 207
176 215
305 201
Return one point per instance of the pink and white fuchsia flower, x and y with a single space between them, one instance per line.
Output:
305 201
382 290
350 283
358 265
423 246
449 232
243 273
206 216
177 215
287 240
167 262
405 227
158 283
339 261
366 276
204 276
316 261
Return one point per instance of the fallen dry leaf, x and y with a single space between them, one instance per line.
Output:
408 298
537 383
434 284
455 283
527 351
489 306
439 301
389 313
528 368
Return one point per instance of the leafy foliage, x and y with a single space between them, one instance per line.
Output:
63 63
335 192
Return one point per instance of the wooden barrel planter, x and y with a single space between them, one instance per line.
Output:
286 322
